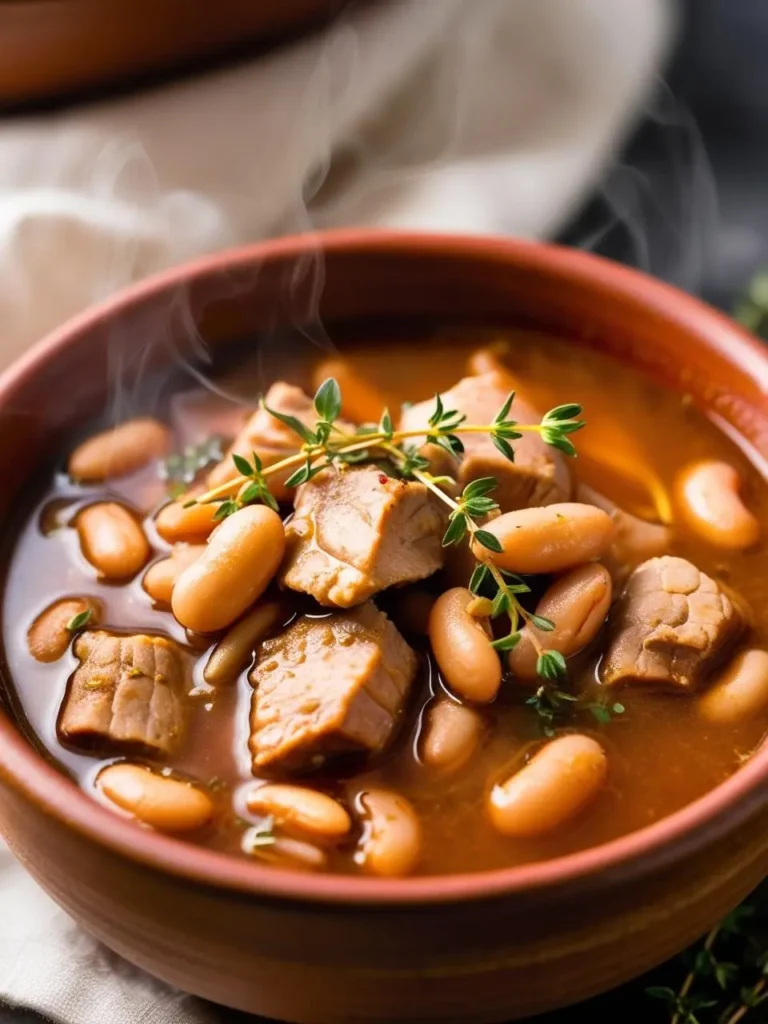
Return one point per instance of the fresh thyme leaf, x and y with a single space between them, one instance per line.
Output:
323 431
226 508
296 426
256 462
571 426
600 713
480 487
551 665
457 527
508 430
563 412
752 308
501 415
79 620
478 577
352 458
661 992
437 415
504 447
412 461
448 442
300 476
545 625
328 400
251 493
480 506
244 468
488 540
507 643
500 604
385 425
555 439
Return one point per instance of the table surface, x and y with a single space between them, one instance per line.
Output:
686 202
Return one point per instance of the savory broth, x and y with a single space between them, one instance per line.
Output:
661 751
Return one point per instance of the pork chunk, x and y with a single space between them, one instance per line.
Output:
127 695
357 531
635 539
672 626
328 685
270 438
539 474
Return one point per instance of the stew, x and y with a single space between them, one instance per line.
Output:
383 621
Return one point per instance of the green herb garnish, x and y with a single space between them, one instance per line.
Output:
395 452
78 621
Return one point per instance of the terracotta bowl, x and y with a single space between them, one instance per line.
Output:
484 947
55 48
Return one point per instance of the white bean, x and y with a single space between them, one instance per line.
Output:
559 782
741 692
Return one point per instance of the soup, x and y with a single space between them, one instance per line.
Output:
379 631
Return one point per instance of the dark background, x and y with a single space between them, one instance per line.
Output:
688 202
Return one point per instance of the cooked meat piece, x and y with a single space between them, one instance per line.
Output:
327 686
672 626
357 531
539 474
127 695
635 540
270 438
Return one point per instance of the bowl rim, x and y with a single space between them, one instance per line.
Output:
718 812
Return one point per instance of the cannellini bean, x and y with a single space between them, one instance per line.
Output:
548 539
49 636
233 571
192 525
462 647
708 496
299 854
112 540
392 840
166 804
577 604
556 785
160 578
451 735
233 652
413 610
119 451
301 812
740 692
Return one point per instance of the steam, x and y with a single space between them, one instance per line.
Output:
658 210
453 115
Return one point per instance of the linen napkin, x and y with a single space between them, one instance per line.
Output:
450 115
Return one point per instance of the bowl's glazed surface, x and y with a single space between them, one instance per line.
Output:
485 947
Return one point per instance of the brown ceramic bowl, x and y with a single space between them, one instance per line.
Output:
53 48
483 947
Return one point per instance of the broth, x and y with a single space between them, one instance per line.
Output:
661 753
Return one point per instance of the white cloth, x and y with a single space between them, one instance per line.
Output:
459 115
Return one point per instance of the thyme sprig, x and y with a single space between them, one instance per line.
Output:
550 702
327 443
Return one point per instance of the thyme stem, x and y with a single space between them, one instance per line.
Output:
691 975
362 441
